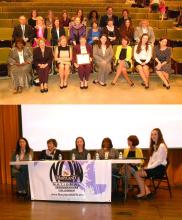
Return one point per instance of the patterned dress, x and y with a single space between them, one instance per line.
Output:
164 55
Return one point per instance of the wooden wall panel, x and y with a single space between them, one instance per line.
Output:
10 127
9 133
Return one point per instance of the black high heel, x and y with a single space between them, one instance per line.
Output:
42 90
46 90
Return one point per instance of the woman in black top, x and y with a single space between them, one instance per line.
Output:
65 20
32 20
51 153
80 153
56 32
125 16
112 32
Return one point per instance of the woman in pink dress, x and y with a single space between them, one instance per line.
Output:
162 9
40 31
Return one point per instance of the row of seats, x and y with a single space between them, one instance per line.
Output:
152 16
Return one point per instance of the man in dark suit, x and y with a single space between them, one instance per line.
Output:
23 30
109 15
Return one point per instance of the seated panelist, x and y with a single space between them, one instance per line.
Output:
51 153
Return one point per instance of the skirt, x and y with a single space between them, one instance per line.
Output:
156 172
21 75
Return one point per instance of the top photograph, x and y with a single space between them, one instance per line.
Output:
98 52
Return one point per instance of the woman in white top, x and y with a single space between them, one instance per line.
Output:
143 55
103 55
156 165
63 57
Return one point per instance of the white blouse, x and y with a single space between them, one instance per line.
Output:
21 57
83 49
158 157
143 55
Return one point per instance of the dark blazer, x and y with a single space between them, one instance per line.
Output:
18 33
39 59
77 50
104 19
54 35
55 156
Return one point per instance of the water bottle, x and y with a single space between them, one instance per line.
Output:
120 155
97 156
60 157
106 155
88 156
73 156
30 157
17 157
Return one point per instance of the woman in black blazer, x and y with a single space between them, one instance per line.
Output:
56 32
52 153
42 60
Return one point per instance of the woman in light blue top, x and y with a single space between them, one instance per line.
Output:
94 33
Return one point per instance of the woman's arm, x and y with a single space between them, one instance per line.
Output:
161 157
148 54
136 55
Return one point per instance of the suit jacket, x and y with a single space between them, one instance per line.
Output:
14 58
38 58
18 33
139 32
113 154
104 19
55 156
77 50
54 35
99 57
115 34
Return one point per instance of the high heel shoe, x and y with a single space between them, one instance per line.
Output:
168 87
132 84
42 90
46 90
113 84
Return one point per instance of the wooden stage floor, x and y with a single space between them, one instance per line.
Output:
121 93
161 207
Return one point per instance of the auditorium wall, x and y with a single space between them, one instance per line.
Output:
10 131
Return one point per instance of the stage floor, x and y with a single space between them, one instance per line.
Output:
121 93
161 207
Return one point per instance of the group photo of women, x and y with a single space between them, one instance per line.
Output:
153 166
96 44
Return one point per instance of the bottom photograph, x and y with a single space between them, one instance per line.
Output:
101 161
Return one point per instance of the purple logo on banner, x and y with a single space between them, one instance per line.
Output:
71 175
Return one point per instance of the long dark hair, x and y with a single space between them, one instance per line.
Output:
81 19
90 14
107 42
163 38
109 141
139 46
159 141
82 140
18 148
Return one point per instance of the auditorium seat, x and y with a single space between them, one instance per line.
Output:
153 16
7 23
166 24
159 33
3 60
177 59
174 35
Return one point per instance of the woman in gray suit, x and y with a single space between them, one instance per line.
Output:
103 55
20 65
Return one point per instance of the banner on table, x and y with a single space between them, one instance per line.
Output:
71 180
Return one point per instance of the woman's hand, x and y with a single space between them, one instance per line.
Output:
74 42
76 65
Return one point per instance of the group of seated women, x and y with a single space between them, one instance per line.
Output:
101 56
155 167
